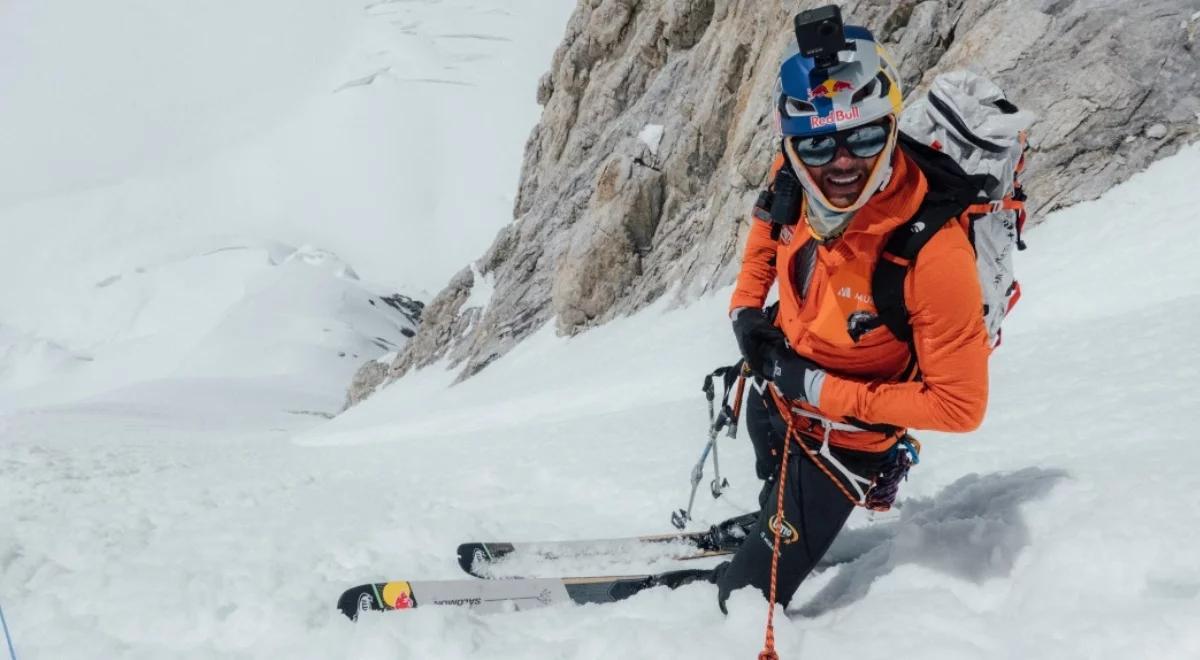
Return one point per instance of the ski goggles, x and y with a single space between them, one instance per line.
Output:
864 141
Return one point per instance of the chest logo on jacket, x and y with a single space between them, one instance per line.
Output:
847 292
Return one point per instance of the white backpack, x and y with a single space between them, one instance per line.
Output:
966 118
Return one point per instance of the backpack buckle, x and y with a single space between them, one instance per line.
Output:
762 207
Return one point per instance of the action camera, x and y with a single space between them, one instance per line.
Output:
820 35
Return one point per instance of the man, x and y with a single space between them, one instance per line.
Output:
846 383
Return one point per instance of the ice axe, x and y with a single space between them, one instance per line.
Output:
726 420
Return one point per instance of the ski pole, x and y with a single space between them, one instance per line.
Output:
718 484
729 418
7 637
716 422
682 517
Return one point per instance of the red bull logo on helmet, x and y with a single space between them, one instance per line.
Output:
834 117
828 89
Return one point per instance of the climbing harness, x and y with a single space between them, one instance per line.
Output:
876 494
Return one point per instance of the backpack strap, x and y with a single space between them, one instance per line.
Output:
780 203
887 283
950 193
1006 204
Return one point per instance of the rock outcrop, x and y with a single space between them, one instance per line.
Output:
607 221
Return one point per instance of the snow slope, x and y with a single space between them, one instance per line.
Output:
212 520
161 177
358 127
183 201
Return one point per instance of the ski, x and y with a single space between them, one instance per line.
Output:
516 594
481 558
488 596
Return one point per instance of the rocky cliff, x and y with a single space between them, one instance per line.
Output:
657 134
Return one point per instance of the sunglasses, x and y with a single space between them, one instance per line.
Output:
862 142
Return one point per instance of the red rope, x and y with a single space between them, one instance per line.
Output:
785 410
768 652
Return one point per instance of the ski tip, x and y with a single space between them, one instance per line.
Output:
358 599
377 597
466 556
472 557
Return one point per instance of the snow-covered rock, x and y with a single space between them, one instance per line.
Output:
651 136
241 309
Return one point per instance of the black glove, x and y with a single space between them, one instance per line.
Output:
796 377
755 334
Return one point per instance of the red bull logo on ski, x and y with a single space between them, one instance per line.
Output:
828 89
834 117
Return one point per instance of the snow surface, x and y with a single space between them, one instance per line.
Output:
181 317
213 517
177 202
235 310
348 125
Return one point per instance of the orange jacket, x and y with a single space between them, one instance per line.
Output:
944 301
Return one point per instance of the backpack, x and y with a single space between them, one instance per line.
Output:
965 130
969 142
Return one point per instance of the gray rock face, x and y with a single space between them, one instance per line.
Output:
606 223
375 372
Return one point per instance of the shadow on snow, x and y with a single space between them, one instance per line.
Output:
972 530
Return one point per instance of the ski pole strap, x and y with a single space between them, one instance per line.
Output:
736 412
727 374
732 377
729 377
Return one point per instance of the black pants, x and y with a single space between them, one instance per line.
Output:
814 509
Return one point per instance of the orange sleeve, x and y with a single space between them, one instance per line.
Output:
758 261
945 303
758 268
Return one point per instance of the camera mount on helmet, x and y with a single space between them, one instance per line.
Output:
820 35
